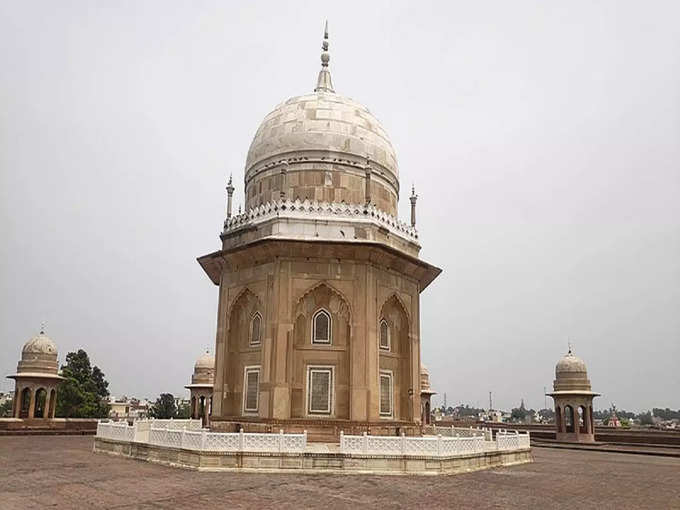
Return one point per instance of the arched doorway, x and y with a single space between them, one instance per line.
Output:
53 403
395 360
320 363
243 350
201 410
25 403
40 401
582 420
569 418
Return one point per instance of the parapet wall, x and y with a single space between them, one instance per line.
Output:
44 426
312 462
612 435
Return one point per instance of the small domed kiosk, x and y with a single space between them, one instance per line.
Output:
36 380
425 396
201 388
573 401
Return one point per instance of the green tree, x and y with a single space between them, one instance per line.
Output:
6 409
82 392
548 414
646 418
164 407
521 412
666 414
183 411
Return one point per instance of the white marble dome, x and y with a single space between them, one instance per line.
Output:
38 356
570 363
322 121
40 344
207 360
571 374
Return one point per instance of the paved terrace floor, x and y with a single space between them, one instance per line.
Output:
62 472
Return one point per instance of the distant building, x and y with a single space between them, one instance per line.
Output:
125 408
119 410
492 416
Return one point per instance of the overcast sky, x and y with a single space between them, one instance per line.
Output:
543 139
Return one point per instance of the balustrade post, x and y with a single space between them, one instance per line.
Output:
204 437
342 441
403 443
304 433
280 440
439 444
365 443
240 439
181 442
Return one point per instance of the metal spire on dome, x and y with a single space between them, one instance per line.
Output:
324 82
42 328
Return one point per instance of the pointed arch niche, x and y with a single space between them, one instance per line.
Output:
313 346
241 351
397 360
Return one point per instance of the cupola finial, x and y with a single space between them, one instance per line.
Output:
324 82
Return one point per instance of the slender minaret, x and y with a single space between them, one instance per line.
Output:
230 192
324 82
413 199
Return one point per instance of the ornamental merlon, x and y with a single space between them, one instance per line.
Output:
322 220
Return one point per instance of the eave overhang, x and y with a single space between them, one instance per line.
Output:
573 393
35 375
270 248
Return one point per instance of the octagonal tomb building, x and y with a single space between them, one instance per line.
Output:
318 323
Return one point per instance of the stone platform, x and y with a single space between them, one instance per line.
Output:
317 458
48 426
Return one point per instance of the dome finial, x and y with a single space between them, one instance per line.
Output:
569 345
42 328
324 82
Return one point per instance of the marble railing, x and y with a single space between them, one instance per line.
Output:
512 440
431 446
229 441
312 209
464 432
169 435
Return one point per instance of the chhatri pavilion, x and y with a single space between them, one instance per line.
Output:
573 398
36 379
318 323
201 388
